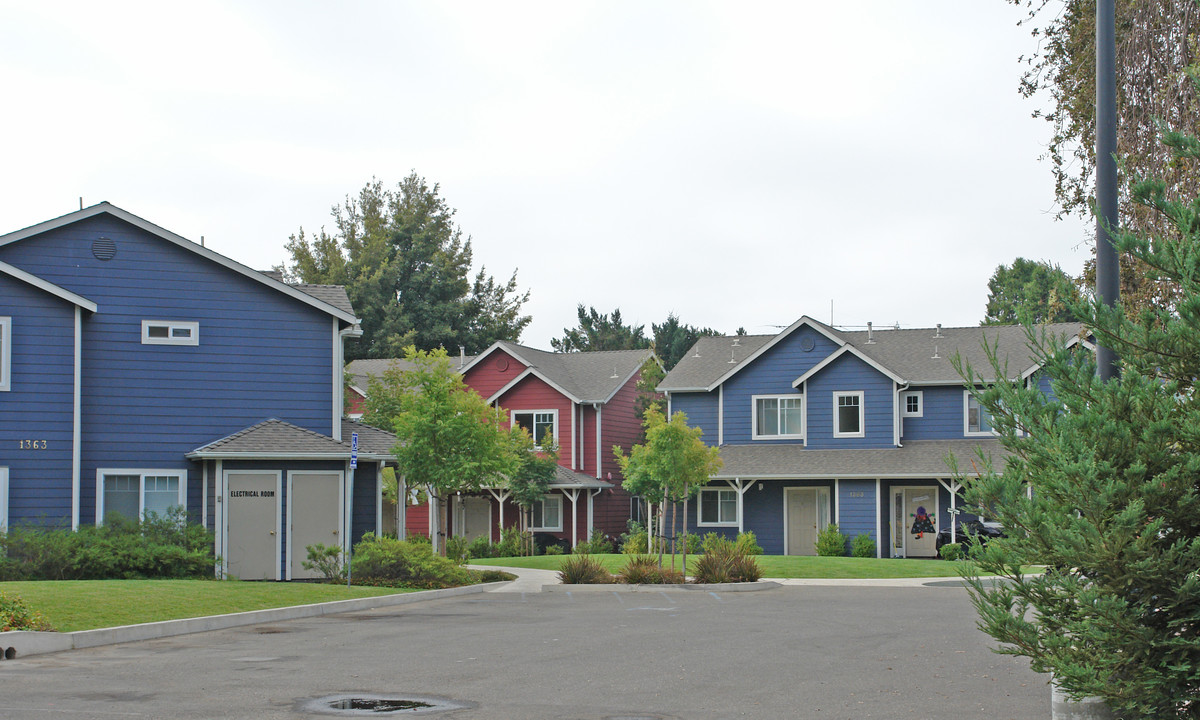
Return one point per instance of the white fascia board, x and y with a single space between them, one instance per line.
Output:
803 321
504 345
532 371
827 476
649 354
282 456
48 287
110 209
858 354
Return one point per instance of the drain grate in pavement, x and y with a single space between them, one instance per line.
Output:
360 704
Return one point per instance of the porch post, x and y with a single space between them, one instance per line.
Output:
401 506
574 495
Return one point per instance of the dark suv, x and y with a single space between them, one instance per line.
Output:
969 531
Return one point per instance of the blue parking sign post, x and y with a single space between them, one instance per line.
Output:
350 503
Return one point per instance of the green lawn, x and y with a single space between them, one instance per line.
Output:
72 605
775 566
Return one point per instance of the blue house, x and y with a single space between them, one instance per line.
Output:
818 425
141 371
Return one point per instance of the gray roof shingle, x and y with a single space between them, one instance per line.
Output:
589 376
915 355
334 295
361 371
275 438
918 459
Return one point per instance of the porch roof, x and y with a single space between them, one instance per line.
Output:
917 459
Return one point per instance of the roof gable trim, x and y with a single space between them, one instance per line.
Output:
802 322
47 286
844 350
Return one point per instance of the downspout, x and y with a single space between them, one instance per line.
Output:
76 423
896 418
720 415
599 455
574 434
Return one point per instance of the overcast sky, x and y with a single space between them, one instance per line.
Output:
737 163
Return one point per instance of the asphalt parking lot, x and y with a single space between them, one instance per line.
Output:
790 652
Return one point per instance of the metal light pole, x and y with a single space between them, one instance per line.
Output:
1108 285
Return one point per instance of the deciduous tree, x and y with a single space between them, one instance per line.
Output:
1031 291
405 264
449 439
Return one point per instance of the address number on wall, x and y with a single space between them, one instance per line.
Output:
856 493
31 444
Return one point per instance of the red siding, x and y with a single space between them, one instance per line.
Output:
493 372
355 401
416 519
533 393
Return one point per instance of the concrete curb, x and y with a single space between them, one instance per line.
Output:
621 587
24 643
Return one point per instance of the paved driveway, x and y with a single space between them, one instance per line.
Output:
791 652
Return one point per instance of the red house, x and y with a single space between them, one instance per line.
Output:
586 401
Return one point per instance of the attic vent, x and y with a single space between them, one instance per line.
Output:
104 249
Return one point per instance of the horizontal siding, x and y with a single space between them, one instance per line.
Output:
701 410
533 394
493 372
619 426
39 406
850 374
941 415
856 503
261 353
772 373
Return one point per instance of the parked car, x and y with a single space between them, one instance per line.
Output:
970 531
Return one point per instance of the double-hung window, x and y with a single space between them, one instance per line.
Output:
718 507
133 494
976 419
848 415
778 416
547 514
538 423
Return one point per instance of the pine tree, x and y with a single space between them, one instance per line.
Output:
1102 487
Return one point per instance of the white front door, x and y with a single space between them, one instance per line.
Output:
807 513
252 518
920 521
315 517
474 518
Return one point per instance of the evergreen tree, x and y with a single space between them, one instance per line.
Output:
672 339
406 265
600 331
1114 508
1030 291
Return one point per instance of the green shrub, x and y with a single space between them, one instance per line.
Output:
635 543
583 570
481 547
747 543
831 542
327 560
714 540
862 546
692 543
16 615
513 543
725 561
644 570
486 576
557 550
392 563
597 544
157 547
952 551
418 538
456 549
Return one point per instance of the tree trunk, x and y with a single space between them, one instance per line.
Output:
662 522
685 531
674 534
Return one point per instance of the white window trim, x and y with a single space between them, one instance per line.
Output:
754 435
5 354
862 414
141 473
549 498
172 326
967 431
920 403
700 506
512 421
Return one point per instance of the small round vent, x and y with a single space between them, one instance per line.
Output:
501 364
104 248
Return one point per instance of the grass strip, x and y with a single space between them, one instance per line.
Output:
72 605
774 566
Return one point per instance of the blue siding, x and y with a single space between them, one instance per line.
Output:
261 354
363 512
941 415
39 405
701 410
856 498
772 373
850 374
